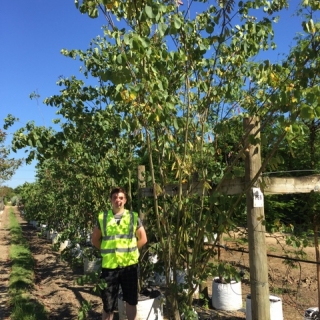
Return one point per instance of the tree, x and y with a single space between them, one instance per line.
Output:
8 166
169 85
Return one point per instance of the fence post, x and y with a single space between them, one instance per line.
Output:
260 304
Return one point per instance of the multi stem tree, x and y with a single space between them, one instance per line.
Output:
169 84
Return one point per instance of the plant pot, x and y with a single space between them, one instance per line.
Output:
310 313
275 308
50 234
55 237
91 265
226 296
211 239
64 245
160 280
148 308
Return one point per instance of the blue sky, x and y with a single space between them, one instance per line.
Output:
33 32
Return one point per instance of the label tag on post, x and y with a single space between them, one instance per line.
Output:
257 198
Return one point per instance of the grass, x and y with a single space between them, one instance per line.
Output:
22 276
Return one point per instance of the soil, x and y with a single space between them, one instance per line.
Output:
55 287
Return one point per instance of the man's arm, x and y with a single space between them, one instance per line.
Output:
96 237
141 236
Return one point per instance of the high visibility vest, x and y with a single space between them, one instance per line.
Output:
119 242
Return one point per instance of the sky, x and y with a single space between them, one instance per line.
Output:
33 32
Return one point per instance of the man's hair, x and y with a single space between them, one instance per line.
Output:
118 190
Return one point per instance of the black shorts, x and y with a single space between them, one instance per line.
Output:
127 277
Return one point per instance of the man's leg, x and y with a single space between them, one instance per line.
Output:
109 294
131 312
107 316
129 284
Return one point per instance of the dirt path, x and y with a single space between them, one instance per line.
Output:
54 284
4 263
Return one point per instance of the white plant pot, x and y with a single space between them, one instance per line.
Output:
91 266
50 234
308 315
149 309
64 245
276 312
55 237
226 296
160 280
211 239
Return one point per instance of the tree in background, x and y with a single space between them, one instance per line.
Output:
8 166
7 193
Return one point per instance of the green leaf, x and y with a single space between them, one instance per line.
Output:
127 39
306 112
162 27
93 12
177 22
317 112
119 59
175 124
210 28
149 12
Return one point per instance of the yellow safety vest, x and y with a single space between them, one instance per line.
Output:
119 242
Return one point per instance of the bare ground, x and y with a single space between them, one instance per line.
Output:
55 288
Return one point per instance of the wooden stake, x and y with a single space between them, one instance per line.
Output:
260 304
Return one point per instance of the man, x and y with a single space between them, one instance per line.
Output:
119 235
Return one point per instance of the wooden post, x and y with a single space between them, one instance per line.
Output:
141 184
260 304
316 246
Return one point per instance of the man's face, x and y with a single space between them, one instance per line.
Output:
118 200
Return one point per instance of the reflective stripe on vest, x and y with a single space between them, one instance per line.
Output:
119 243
